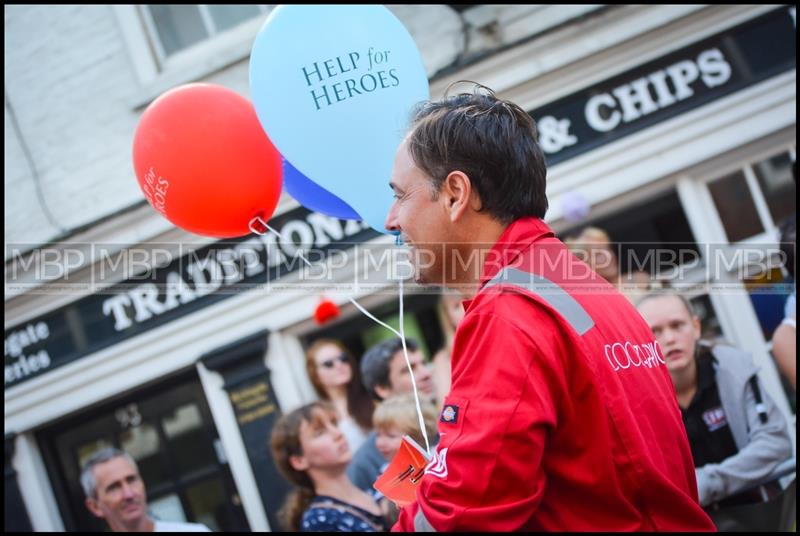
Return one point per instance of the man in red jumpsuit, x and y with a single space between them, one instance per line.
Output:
561 413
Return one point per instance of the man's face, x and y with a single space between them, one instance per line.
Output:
120 492
676 331
421 220
400 379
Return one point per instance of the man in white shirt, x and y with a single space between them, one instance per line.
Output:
115 492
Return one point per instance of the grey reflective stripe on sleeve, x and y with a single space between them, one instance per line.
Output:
553 294
421 523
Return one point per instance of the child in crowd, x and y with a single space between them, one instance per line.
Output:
393 418
396 417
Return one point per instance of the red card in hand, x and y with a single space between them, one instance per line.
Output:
400 479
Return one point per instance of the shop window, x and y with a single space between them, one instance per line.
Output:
184 419
754 201
176 27
736 208
184 430
167 428
205 500
651 236
142 443
86 450
778 186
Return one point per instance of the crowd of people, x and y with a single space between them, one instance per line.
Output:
550 408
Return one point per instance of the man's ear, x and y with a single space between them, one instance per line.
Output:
94 508
457 194
298 463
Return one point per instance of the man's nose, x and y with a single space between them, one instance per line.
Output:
127 491
391 219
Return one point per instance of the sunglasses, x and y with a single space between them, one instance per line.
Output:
330 363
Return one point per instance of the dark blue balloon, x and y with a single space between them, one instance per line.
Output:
313 196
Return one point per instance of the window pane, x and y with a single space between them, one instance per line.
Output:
142 443
775 178
183 420
228 16
185 432
736 207
177 26
86 450
207 501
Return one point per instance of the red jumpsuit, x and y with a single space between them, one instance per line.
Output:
561 414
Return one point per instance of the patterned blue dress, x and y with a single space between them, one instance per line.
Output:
327 514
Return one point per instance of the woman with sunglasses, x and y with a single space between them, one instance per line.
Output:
332 373
310 450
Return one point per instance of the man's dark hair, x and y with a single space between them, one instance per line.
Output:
494 142
375 363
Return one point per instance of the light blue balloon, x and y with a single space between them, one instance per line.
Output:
333 87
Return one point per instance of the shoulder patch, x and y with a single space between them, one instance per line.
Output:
449 414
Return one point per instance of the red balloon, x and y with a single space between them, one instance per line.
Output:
326 311
203 161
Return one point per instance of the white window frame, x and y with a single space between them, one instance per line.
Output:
745 165
734 309
157 73
208 24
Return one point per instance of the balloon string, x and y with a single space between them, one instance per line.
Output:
265 225
411 371
400 333
368 314
402 336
